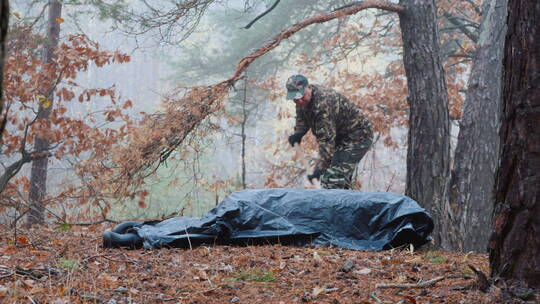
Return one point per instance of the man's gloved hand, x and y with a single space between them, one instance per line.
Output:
295 138
316 174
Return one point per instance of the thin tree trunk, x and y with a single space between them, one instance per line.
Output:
469 209
515 243
428 153
243 133
4 24
38 175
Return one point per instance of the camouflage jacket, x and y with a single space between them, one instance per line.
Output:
334 121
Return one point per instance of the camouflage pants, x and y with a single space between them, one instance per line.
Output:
339 174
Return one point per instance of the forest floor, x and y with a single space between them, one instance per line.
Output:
68 265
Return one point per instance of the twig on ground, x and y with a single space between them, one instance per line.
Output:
416 285
92 297
482 281
93 223
5 272
106 255
199 292
170 299
30 273
126 260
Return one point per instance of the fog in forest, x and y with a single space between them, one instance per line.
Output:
164 58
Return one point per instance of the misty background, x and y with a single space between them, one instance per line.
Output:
192 183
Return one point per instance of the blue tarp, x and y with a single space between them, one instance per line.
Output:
344 218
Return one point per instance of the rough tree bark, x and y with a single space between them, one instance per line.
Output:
4 23
38 175
468 214
515 243
428 153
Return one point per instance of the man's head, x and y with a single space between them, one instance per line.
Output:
299 90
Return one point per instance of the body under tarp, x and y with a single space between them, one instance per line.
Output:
344 218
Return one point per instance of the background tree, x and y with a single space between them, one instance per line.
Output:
428 153
515 245
4 24
470 196
70 136
38 177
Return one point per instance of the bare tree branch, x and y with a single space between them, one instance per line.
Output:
463 27
262 15
407 285
475 7
104 220
14 168
346 6
39 16
276 40
173 25
453 54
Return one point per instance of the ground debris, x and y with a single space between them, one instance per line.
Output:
416 285
83 272
348 265
482 281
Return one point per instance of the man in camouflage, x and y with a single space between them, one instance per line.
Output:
343 132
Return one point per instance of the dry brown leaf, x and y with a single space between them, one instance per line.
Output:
317 290
363 271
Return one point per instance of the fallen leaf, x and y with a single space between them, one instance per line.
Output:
317 257
410 299
29 283
3 291
22 240
108 280
8 249
348 265
317 291
466 257
62 300
363 271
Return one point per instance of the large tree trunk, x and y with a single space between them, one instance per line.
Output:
38 175
468 217
4 23
428 153
515 244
